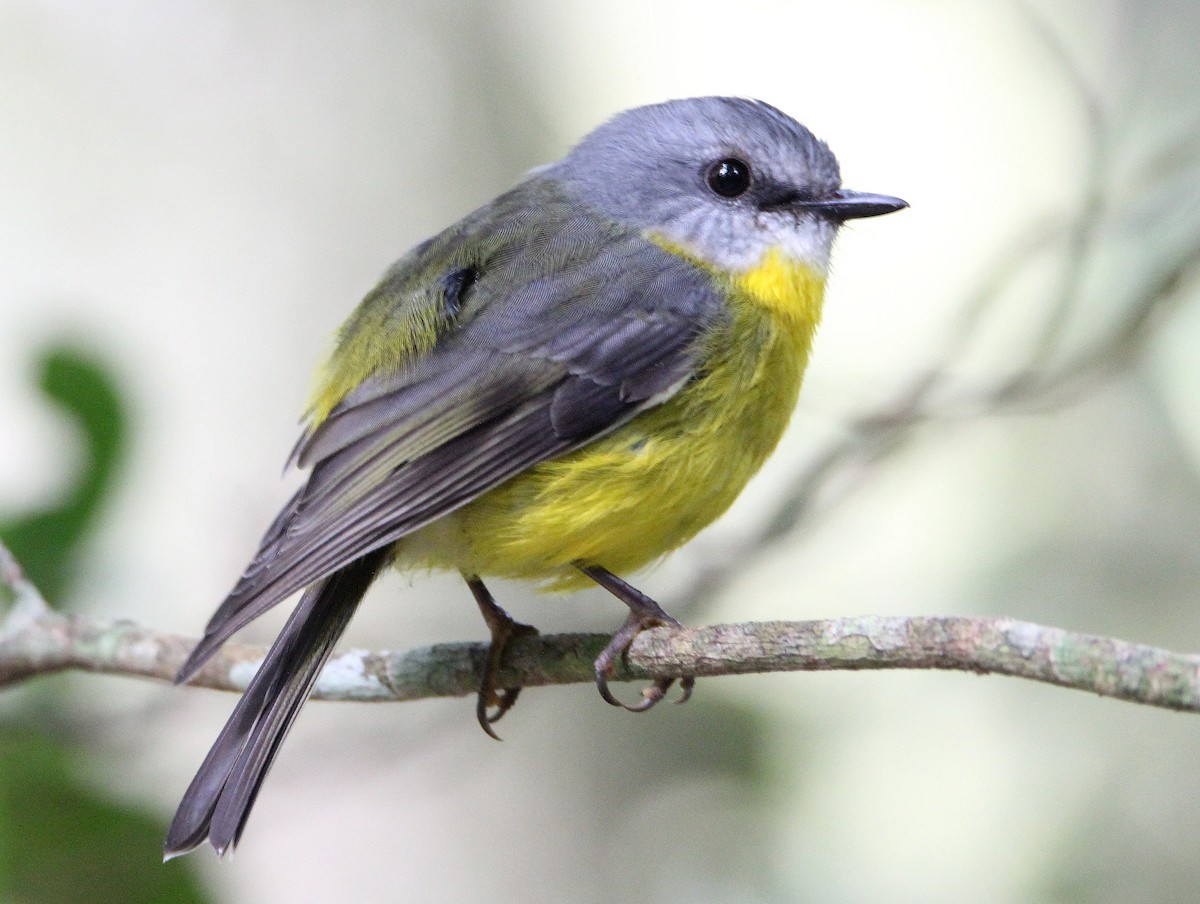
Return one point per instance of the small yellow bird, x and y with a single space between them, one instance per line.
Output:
569 383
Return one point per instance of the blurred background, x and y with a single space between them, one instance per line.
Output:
1000 418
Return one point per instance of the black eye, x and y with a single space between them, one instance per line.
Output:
729 177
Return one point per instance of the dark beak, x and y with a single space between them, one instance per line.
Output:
852 205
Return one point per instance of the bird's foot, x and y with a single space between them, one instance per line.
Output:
493 702
644 613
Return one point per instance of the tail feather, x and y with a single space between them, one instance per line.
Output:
217 803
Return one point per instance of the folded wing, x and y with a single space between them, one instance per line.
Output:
566 329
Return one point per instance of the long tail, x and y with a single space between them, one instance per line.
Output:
217 803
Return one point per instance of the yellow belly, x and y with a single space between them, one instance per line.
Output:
645 489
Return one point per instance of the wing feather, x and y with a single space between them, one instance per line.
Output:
554 344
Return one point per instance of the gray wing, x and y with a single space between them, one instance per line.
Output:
560 334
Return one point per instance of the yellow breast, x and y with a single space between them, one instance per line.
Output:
645 489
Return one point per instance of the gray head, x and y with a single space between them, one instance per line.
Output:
725 178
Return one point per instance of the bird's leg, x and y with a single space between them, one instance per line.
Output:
503 627
643 613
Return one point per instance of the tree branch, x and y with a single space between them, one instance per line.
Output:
35 640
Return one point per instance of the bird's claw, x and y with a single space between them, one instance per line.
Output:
640 619
501 698
503 628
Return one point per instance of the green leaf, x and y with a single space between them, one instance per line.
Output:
63 841
45 542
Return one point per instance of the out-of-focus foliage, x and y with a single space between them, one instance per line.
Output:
44 541
61 839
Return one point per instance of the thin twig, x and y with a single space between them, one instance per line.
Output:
35 640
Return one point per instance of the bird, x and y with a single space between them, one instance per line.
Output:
562 387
